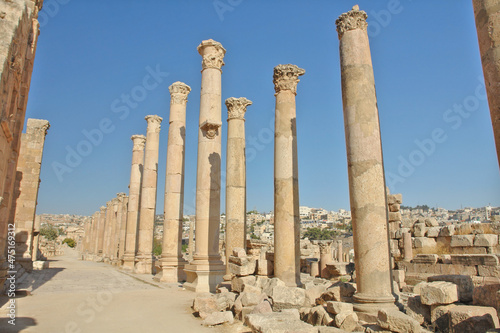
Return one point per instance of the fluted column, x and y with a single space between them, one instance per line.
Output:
172 261
235 177
206 269
365 165
134 196
286 182
144 257
487 14
106 249
123 230
99 250
113 249
26 189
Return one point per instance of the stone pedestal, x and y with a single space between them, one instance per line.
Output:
26 189
487 14
172 262
206 269
235 177
144 257
365 166
286 184
134 196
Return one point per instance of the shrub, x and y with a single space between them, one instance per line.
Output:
49 232
70 241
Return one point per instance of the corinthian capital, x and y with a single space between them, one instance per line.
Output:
212 53
179 92
353 19
286 77
139 141
153 119
236 107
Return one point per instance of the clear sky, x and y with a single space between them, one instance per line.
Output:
436 127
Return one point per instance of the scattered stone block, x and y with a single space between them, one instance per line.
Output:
488 271
465 318
278 322
318 316
394 207
38 265
448 230
419 229
250 298
463 282
486 240
426 259
269 284
225 301
439 292
440 318
338 307
394 216
217 318
263 307
239 252
474 259
462 240
424 242
397 321
433 232
204 304
417 310
486 295
314 292
242 266
287 298
431 222
238 282
346 321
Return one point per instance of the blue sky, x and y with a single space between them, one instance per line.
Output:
436 127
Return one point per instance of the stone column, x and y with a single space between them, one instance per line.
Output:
191 239
120 197
36 238
340 251
106 249
407 247
365 166
206 269
123 230
172 261
26 189
144 257
487 14
286 183
99 251
235 177
134 198
325 257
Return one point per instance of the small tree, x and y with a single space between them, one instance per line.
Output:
49 232
157 247
70 241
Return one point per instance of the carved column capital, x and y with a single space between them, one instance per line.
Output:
139 141
210 129
212 53
236 107
353 19
153 119
103 209
179 92
286 77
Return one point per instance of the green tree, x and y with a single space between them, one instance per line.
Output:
49 232
157 247
70 241
320 234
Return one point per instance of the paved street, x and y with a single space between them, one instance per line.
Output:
75 296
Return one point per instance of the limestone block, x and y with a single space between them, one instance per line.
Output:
278 322
464 284
462 240
448 230
475 259
346 321
397 321
440 317
338 307
331 294
394 207
486 295
217 318
424 243
437 269
314 292
419 229
205 304
318 316
239 252
426 259
250 298
491 271
398 275
433 232
486 240
38 265
400 232
417 310
438 292
225 300
269 284
238 282
431 222
263 307
465 318
247 267
245 311
287 298
469 250
394 216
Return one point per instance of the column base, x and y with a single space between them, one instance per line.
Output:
204 276
367 306
128 262
172 270
143 265
26 263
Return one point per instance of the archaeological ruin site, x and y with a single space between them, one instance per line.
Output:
394 272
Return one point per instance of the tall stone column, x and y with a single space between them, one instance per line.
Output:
36 238
407 247
106 249
191 239
101 229
325 257
123 230
118 225
172 261
134 198
340 251
206 269
26 189
235 177
365 166
144 257
487 14
286 182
